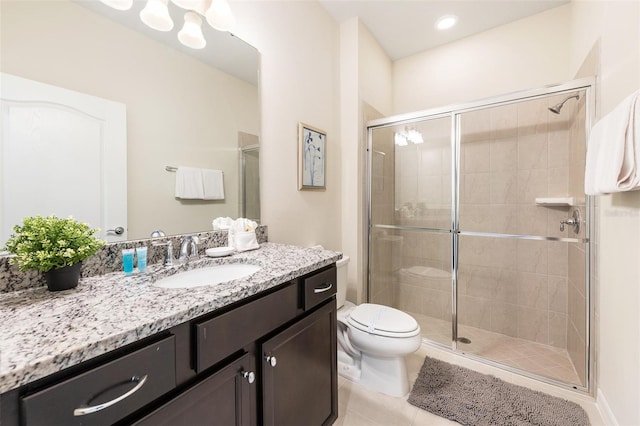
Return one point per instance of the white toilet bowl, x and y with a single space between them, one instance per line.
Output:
377 338
373 341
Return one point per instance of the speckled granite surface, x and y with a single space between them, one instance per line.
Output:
109 258
44 332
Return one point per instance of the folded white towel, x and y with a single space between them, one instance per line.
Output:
242 235
213 184
613 152
220 223
189 183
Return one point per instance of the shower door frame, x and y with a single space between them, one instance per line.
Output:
455 111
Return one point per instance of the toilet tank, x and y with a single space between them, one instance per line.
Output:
342 266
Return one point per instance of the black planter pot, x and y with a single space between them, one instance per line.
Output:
63 278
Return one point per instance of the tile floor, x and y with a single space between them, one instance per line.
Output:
359 406
543 360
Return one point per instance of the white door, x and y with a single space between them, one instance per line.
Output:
63 153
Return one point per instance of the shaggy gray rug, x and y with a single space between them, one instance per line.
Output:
476 399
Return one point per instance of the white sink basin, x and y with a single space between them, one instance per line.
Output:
210 275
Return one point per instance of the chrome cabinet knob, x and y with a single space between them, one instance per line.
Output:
271 360
249 376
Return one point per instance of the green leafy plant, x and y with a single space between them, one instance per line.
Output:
46 243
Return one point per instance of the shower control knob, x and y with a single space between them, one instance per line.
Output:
271 360
573 221
249 376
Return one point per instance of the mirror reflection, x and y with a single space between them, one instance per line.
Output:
180 110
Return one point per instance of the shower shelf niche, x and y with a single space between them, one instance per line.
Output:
558 201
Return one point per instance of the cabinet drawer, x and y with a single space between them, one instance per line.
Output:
106 393
319 287
223 335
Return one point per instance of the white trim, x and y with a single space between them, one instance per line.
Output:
605 411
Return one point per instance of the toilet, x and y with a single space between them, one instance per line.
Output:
373 341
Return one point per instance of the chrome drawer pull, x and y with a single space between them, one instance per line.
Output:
88 410
323 289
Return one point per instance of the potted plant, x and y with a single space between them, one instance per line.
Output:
53 246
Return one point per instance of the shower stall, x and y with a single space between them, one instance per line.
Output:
478 226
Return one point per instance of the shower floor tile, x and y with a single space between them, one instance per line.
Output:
536 358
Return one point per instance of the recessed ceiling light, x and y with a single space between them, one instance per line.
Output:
445 22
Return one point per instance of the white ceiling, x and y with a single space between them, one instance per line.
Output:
406 27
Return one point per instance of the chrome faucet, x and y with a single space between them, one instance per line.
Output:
168 259
188 248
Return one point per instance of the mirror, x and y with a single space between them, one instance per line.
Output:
181 110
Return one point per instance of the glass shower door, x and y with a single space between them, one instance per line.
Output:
410 216
521 286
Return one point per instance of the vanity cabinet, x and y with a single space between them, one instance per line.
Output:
299 372
226 397
269 359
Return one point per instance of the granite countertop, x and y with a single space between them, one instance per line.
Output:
44 332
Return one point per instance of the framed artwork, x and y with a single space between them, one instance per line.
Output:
312 156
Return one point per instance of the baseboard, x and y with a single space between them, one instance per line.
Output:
605 411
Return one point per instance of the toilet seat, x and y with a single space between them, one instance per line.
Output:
383 320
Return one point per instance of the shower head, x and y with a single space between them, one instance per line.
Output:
557 107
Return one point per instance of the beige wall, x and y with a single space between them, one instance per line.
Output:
365 88
298 43
528 53
614 28
64 44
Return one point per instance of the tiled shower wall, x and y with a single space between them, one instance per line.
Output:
510 155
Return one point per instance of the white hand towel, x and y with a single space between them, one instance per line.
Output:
189 183
221 223
242 235
213 182
613 152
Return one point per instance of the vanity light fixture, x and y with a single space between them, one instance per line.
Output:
188 4
408 135
119 4
445 22
399 139
191 33
156 15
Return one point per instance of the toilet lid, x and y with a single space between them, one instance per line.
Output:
383 320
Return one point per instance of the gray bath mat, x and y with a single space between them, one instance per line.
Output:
476 399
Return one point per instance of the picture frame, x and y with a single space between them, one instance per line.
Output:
312 157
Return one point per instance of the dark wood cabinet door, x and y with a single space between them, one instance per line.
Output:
225 398
301 388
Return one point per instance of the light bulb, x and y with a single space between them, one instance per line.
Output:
188 4
400 140
445 22
191 33
156 15
414 136
219 16
118 4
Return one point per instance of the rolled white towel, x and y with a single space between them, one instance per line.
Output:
613 153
